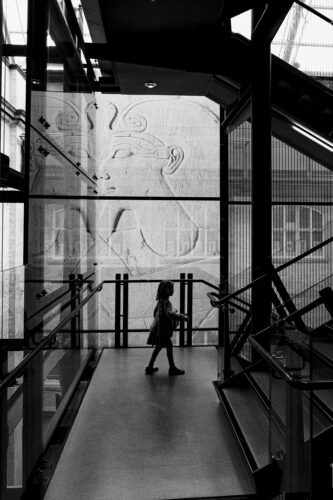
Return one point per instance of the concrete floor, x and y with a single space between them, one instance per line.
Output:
141 437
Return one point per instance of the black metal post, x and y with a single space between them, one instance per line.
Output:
189 311
3 426
261 182
224 361
72 286
117 306
327 295
32 432
182 286
79 314
125 310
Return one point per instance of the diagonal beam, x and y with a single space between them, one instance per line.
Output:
94 20
240 112
271 20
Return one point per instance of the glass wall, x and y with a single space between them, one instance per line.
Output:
125 185
12 143
304 40
302 215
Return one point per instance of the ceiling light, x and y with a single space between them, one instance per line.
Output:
150 85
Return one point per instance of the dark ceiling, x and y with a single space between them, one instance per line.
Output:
187 48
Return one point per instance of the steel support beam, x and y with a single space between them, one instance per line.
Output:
261 183
224 361
239 113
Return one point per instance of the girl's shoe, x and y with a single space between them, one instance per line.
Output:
176 371
149 370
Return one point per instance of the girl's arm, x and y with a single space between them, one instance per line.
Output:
173 313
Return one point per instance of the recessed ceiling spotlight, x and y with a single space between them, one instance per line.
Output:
150 85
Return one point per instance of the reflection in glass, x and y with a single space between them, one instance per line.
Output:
297 229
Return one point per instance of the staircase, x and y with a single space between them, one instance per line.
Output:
280 407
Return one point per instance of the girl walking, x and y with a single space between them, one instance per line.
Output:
165 319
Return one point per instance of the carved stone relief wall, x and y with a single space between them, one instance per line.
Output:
131 148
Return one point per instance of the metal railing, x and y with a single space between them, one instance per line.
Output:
219 301
122 283
18 370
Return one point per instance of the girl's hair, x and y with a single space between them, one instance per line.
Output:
164 289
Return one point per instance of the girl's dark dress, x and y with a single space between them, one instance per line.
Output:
167 317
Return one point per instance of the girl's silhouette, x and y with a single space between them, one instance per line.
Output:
166 317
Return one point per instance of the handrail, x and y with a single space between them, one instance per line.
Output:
77 167
57 300
82 280
304 385
217 303
60 297
17 371
291 316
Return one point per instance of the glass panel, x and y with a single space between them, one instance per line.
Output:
300 419
304 220
307 227
13 81
295 177
290 243
277 243
11 239
242 24
304 40
290 215
278 218
317 219
47 382
123 236
128 146
240 163
304 241
12 288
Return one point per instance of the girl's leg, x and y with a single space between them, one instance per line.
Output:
150 368
169 351
173 370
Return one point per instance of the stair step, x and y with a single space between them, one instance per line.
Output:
250 423
277 391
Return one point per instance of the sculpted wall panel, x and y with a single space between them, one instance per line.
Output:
132 148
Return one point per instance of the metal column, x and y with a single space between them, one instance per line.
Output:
261 181
224 366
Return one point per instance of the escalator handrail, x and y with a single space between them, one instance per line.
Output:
18 370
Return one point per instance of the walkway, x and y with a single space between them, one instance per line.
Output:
140 437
